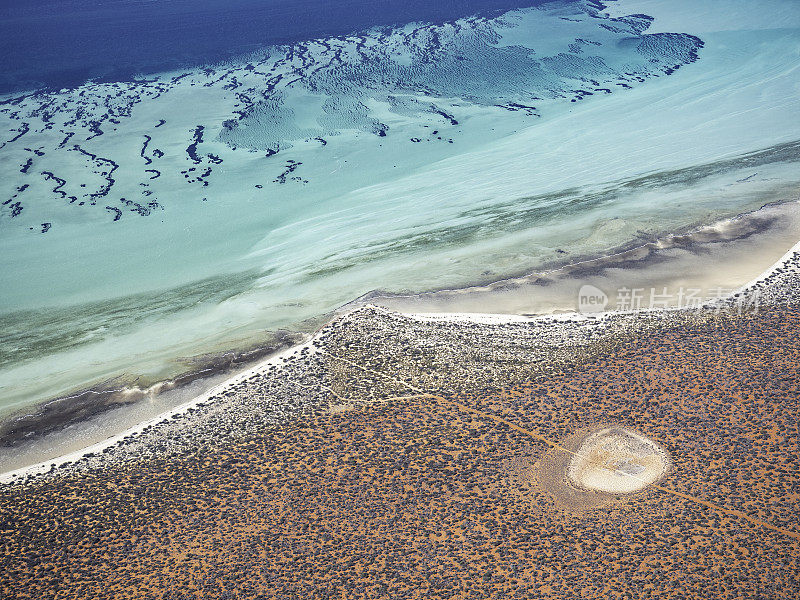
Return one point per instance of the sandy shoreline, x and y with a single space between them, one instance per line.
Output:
126 392
487 318
178 410
723 255
742 246
453 437
469 474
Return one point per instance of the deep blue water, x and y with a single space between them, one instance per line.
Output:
62 43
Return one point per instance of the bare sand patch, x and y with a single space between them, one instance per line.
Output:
596 467
617 461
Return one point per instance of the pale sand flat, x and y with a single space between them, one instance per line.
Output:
617 461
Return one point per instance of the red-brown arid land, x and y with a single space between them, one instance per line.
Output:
414 467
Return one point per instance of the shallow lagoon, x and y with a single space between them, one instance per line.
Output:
269 240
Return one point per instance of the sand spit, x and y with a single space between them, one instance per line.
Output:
748 241
266 492
455 455
301 381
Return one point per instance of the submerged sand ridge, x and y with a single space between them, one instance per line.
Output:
617 461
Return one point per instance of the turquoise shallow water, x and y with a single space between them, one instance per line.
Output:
155 219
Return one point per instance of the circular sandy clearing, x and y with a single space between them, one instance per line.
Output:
617 461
